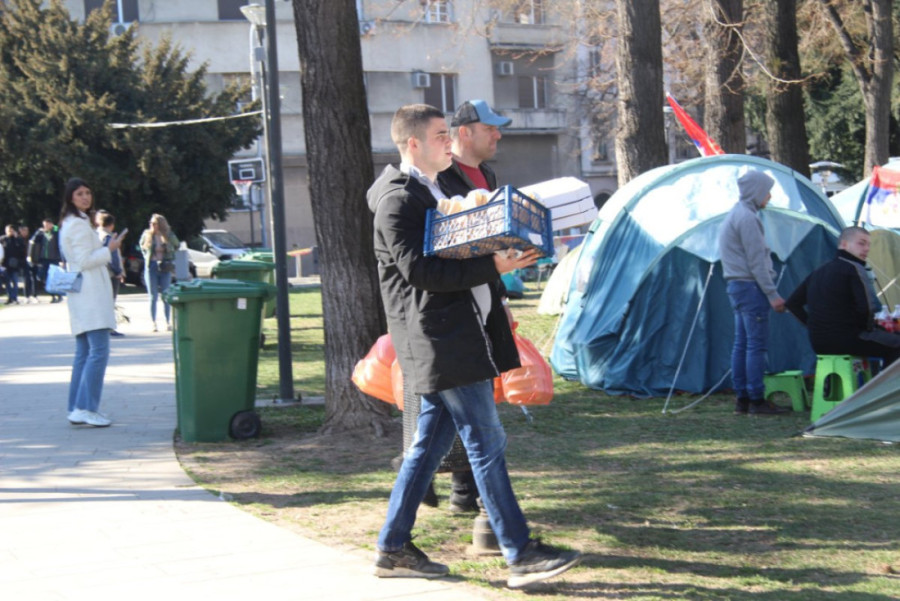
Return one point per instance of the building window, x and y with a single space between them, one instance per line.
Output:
532 92
529 12
438 11
441 94
124 11
230 10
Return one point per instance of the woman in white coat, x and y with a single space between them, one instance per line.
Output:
91 311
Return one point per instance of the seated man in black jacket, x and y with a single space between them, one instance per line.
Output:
837 303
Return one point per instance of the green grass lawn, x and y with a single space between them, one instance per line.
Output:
700 505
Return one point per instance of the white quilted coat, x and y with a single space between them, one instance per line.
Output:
92 308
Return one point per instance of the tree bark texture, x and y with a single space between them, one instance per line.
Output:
873 66
640 136
724 106
338 149
785 117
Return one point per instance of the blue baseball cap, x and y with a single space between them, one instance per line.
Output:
473 111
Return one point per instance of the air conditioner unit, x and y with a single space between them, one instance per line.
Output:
366 27
505 68
421 79
117 29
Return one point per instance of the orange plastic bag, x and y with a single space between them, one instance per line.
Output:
397 382
531 384
372 374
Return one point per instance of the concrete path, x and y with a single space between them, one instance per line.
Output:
88 513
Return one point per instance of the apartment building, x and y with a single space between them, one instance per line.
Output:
442 52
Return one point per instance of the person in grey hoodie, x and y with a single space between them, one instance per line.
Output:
750 282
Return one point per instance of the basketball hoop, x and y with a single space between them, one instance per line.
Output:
242 187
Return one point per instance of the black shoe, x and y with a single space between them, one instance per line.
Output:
116 333
539 562
767 408
408 562
463 492
741 406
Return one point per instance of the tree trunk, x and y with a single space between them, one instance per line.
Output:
640 136
339 155
785 120
724 107
874 69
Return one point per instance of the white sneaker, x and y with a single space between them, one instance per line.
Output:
155 329
77 416
97 420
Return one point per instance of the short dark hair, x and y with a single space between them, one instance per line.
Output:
850 233
107 219
410 121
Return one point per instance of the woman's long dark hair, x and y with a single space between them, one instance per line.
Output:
68 208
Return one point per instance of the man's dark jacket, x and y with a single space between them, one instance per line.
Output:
432 315
454 182
15 252
834 303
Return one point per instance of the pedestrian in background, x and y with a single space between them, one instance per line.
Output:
91 310
116 273
44 251
14 259
158 245
29 268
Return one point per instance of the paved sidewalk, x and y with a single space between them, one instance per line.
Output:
99 514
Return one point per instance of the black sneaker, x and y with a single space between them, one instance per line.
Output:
408 562
767 408
741 406
539 562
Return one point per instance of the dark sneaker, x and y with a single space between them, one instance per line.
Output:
741 406
539 562
408 562
767 408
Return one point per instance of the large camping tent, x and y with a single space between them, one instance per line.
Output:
872 412
648 286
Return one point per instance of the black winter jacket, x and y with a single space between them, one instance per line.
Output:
834 302
14 252
454 182
431 313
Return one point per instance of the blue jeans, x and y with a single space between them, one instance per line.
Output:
157 281
29 273
12 284
88 370
751 338
470 410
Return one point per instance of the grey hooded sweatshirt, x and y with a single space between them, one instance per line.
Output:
742 241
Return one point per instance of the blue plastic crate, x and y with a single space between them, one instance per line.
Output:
509 220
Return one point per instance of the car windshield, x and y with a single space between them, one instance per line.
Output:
224 239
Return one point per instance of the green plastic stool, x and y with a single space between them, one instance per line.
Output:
790 383
843 373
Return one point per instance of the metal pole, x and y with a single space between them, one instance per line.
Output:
276 191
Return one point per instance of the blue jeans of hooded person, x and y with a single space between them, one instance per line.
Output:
157 281
751 338
12 284
470 410
88 370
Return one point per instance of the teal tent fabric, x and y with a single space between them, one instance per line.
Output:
873 412
646 261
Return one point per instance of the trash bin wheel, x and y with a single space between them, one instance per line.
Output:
245 424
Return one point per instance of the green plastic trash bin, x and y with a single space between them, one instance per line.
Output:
258 255
216 342
248 271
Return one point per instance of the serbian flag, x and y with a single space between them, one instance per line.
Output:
882 206
703 142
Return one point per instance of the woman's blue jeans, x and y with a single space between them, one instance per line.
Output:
88 370
470 410
751 338
157 281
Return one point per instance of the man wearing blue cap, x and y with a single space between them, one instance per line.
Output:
475 131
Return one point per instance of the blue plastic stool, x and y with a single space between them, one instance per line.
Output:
843 374
790 383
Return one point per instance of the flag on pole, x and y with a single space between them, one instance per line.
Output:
883 198
703 142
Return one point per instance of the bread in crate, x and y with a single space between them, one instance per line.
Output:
509 220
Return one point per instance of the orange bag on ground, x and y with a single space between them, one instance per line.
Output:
372 374
531 384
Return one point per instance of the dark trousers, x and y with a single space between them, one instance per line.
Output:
877 343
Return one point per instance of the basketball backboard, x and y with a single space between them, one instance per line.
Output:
251 170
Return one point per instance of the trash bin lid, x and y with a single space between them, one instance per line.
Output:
236 265
198 290
258 255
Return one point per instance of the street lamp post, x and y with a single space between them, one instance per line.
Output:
264 20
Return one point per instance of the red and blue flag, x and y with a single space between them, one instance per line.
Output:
882 206
701 140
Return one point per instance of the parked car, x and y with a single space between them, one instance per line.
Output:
200 264
220 243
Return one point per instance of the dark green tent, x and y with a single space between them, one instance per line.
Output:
873 412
